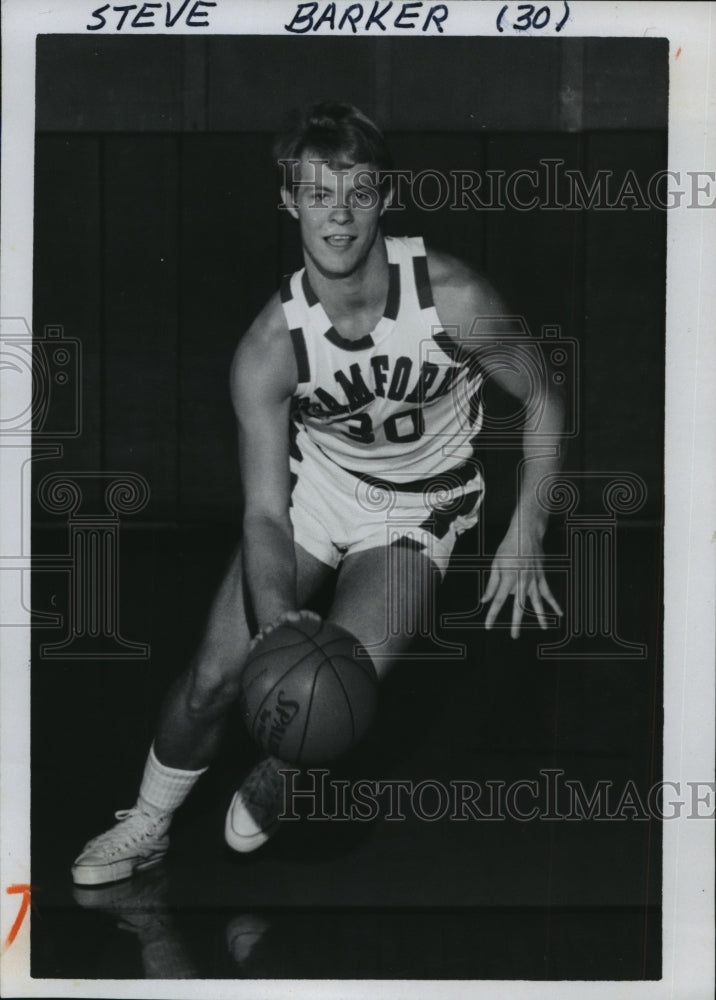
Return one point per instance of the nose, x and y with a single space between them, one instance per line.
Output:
341 214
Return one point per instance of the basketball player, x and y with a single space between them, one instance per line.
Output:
357 394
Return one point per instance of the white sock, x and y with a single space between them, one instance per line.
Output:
163 788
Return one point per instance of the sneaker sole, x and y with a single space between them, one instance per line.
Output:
246 843
116 871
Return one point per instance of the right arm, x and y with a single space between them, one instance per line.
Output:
263 380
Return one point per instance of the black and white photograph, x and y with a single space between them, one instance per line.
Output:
357 449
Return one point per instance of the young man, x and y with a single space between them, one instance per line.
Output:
357 394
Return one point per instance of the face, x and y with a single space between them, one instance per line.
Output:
338 211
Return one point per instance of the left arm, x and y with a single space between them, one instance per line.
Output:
461 298
517 569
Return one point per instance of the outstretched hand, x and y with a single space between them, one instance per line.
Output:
517 571
286 618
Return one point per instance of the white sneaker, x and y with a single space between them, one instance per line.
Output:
253 814
137 842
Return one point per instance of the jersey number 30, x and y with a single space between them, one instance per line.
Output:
398 428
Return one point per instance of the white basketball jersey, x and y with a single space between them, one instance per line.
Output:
401 403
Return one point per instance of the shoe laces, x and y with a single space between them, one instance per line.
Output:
133 827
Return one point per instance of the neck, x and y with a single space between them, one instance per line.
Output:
363 288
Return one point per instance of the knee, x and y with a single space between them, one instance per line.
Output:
212 689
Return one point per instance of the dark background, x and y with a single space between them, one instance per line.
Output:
157 240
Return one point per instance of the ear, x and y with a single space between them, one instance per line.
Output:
288 202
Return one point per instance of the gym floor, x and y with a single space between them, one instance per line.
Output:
386 899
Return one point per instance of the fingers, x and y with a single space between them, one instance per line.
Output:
536 601
285 618
548 596
491 587
522 585
503 592
518 606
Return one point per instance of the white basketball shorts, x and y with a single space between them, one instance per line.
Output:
335 512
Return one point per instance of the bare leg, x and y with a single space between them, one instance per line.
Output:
190 726
194 712
385 597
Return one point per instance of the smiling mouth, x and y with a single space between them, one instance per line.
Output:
339 242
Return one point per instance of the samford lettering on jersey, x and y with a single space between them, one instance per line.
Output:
362 384
402 399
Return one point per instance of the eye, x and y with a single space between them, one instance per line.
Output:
320 199
364 197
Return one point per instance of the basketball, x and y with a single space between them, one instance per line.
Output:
307 695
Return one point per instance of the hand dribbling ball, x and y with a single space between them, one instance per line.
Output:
307 695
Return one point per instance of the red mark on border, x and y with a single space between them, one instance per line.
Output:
24 906
678 53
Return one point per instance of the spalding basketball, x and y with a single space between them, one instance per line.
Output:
307 693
